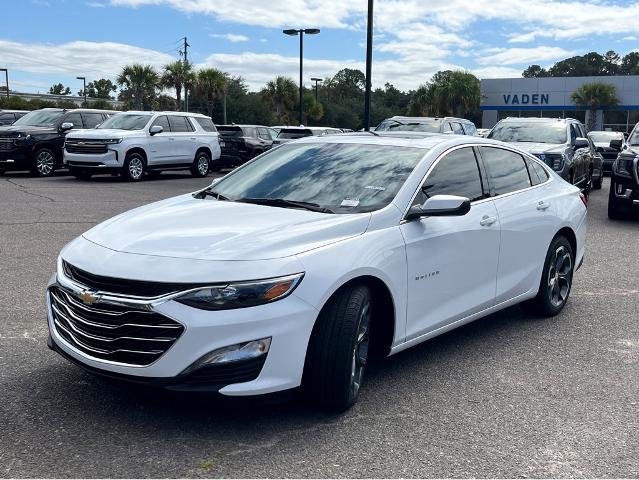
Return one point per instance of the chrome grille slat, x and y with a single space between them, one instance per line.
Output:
120 334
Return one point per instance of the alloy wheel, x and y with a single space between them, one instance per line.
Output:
203 165
136 167
559 276
360 349
45 162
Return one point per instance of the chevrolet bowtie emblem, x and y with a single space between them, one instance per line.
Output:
89 297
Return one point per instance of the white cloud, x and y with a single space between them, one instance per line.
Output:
96 5
94 59
521 56
231 37
630 38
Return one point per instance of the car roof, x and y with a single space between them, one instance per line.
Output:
242 125
426 119
538 120
14 111
180 114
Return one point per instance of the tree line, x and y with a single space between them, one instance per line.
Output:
591 64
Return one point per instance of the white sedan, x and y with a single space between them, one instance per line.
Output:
296 268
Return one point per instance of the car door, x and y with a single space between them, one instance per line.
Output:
526 216
451 261
184 140
161 146
265 138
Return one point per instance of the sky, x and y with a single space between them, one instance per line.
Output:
43 42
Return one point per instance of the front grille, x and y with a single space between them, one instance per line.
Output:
109 332
6 144
136 288
89 148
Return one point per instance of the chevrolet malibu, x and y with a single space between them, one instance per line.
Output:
300 266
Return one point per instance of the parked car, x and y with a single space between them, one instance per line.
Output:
459 126
298 267
7 117
135 143
483 132
559 142
293 133
35 141
241 143
596 159
624 179
609 144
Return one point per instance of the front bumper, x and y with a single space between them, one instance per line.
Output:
16 159
625 191
108 162
288 322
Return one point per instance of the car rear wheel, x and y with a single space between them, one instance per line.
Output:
338 349
201 165
556 279
134 167
43 163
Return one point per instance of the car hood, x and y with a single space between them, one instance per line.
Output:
98 133
536 148
208 229
25 130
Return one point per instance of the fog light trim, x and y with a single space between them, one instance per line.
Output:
232 353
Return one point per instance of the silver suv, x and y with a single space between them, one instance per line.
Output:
459 126
561 143
135 143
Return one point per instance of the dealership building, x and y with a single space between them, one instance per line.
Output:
551 97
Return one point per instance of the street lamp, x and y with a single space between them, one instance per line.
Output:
84 89
293 32
369 61
316 80
6 78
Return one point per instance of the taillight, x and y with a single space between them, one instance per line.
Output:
584 199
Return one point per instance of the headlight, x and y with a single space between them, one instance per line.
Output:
555 161
113 141
623 166
241 294
23 138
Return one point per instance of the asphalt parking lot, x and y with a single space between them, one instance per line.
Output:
506 396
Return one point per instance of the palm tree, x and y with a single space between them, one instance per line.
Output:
141 82
448 93
177 75
211 83
594 96
281 92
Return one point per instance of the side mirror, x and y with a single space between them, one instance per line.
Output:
440 206
155 129
616 144
581 142
66 126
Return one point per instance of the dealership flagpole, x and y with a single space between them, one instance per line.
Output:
369 61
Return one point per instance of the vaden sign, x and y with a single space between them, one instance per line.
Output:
527 99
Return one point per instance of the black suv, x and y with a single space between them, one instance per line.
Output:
7 117
35 141
240 143
624 178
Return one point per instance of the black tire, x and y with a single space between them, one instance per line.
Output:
201 165
44 161
134 167
556 280
338 349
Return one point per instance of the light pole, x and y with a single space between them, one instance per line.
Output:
301 32
369 61
84 89
317 81
6 79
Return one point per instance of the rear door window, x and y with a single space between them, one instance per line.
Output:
506 169
264 135
91 120
249 132
179 124
542 174
457 128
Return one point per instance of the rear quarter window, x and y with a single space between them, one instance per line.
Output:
205 123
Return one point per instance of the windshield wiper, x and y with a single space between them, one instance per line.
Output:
211 193
282 202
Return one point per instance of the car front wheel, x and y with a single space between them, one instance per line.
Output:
556 279
338 349
43 163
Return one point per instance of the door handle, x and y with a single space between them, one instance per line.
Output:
487 221
543 205
193 138
172 139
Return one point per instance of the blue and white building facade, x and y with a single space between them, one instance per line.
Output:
551 97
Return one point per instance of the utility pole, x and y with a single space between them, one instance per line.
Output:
301 32
186 87
84 89
369 61
6 78
316 80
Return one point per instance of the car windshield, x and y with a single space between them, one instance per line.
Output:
230 131
40 118
340 177
126 121
408 126
634 137
294 133
605 137
531 132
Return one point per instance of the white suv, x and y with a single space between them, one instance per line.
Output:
133 143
